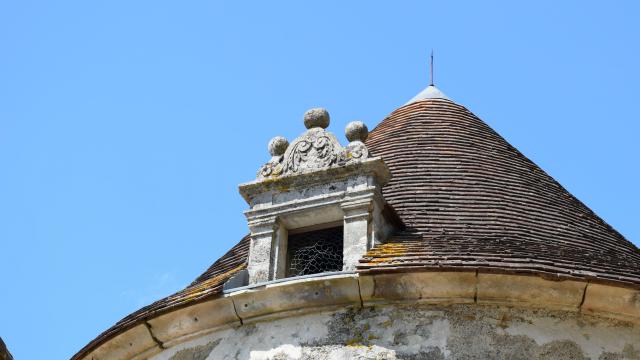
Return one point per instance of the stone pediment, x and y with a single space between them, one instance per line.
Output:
315 149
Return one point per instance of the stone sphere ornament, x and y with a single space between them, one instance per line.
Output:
317 117
356 131
278 145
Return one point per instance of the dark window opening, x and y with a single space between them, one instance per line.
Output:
315 252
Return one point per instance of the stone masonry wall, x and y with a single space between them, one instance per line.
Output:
420 332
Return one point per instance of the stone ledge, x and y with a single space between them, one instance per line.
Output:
501 289
135 343
425 287
619 303
298 296
182 324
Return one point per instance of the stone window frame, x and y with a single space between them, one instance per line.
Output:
355 218
349 194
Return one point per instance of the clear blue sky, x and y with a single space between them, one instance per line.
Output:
125 126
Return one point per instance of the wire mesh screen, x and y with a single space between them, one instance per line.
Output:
315 252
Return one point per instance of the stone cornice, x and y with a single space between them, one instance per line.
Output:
371 166
311 294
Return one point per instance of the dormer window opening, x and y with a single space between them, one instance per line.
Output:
316 206
315 252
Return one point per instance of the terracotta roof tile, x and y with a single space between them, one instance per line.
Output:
469 199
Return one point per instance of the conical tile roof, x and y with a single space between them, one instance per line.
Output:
471 200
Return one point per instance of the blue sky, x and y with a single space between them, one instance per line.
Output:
126 126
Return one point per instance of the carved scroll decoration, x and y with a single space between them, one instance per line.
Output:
314 150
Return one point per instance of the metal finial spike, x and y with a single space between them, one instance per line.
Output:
431 69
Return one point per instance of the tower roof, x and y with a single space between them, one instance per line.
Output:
430 92
469 200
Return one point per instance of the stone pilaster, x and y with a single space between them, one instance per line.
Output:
357 231
261 253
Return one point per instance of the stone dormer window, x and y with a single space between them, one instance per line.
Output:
316 206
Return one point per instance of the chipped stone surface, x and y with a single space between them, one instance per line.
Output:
200 352
421 332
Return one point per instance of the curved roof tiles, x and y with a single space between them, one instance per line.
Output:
471 200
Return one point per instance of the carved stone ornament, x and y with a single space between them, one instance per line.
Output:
316 149
356 150
271 168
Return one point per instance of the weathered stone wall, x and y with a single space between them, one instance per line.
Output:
420 332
